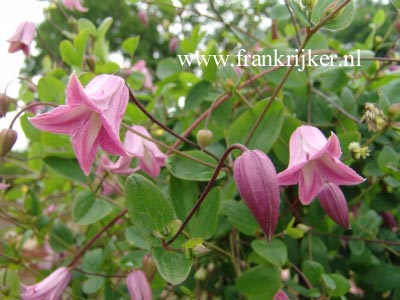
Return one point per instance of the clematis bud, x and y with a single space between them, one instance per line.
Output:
334 203
389 221
281 295
173 44
149 267
49 288
204 137
143 18
138 287
8 137
257 182
4 105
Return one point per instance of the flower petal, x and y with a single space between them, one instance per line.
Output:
334 203
62 119
333 170
76 94
85 142
138 286
310 183
331 148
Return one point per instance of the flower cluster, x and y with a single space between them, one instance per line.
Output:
314 165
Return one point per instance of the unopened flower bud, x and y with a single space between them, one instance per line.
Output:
143 18
8 137
149 267
257 182
200 274
334 204
200 250
303 227
394 109
4 105
281 295
204 137
389 221
173 44
90 61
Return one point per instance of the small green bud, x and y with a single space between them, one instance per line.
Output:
149 267
200 274
200 250
8 137
204 137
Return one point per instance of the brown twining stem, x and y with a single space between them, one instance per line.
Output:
206 190
166 128
29 107
95 237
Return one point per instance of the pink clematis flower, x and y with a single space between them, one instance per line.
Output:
257 182
92 117
50 288
150 158
22 38
74 5
315 161
138 286
281 295
173 44
140 66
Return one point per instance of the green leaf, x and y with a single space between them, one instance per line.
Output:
85 24
388 159
187 169
383 277
240 217
30 131
173 266
262 281
73 54
299 12
167 67
342 285
61 237
130 45
265 135
148 208
104 27
87 209
357 247
313 271
280 12
274 252
197 94
190 44
92 284
183 195
379 18
92 260
340 21
68 168
328 281
51 89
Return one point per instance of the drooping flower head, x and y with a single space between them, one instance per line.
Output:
138 286
257 182
91 116
22 38
140 66
315 161
50 288
150 158
74 5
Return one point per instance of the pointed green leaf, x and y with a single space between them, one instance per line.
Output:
68 168
130 45
340 21
274 252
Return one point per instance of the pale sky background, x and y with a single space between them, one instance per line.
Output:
11 14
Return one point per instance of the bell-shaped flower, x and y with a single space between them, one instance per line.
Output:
257 182
138 286
334 204
22 38
50 288
314 161
150 158
140 66
92 117
74 5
